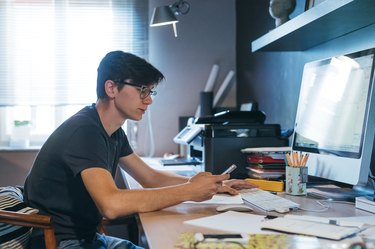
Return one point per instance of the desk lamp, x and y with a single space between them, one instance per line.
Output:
165 15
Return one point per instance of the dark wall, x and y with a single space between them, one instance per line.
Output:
206 36
273 78
269 78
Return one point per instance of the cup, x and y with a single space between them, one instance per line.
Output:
295 180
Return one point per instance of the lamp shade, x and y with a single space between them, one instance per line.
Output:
163 15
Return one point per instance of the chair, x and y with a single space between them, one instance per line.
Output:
17 221
43 222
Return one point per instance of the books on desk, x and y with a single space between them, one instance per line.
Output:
266 173
266 162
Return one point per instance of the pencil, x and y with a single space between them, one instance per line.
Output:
288 160
305 158
295 159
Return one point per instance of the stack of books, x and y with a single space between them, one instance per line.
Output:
266 162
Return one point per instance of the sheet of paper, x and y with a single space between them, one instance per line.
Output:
221 199
231 221
266 149
368 219
356 221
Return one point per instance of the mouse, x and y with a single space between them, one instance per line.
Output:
282 210
234 207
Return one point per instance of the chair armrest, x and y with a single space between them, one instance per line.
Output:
29 220
32 220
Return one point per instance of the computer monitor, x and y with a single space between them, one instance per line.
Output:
335 120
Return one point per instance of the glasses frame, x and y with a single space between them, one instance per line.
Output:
145 91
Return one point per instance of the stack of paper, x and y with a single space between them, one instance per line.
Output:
266 162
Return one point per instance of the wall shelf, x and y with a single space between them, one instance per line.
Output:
326 21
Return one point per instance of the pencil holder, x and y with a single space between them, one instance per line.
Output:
295 180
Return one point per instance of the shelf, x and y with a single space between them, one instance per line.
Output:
326 21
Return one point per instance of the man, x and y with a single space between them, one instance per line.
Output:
72 176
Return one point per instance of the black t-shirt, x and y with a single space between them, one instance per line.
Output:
54 185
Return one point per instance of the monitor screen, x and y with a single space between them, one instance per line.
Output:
333 115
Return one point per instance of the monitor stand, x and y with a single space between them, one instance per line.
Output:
335 193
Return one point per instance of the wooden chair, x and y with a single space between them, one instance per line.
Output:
43 222
14 212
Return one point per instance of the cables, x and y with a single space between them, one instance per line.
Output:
326 204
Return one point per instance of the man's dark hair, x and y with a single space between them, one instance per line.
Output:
119 66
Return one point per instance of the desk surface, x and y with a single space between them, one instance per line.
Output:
163 227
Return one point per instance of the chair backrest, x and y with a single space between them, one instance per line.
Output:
17 221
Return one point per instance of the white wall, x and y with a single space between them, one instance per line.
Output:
206 36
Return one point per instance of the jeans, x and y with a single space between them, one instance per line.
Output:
101 241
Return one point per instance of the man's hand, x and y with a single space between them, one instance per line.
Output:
234 185
204 185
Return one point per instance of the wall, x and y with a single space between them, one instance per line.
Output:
273 78
14 166
206 36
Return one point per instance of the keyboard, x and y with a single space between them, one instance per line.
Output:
266 200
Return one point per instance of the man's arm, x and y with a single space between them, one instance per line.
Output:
113 202
149 177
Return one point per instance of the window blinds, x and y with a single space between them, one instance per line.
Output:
50 49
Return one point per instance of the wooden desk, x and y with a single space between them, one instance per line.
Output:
162 228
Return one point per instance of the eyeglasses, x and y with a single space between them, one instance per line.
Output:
145 91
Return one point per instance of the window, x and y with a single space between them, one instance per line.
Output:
50 52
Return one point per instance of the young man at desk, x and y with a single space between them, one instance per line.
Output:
72 176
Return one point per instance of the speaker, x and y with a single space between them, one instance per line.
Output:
206 99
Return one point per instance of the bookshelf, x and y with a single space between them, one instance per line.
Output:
326 21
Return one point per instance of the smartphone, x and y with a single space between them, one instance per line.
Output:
229 169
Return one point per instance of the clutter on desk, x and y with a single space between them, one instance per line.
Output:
187 241
282 241
266 163
256 241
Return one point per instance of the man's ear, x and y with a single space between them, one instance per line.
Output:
110 88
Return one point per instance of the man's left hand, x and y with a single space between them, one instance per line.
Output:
234 185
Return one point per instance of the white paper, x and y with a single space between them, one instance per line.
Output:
360 222
221 199
220 93
231 221
212 78
267 149
370 219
